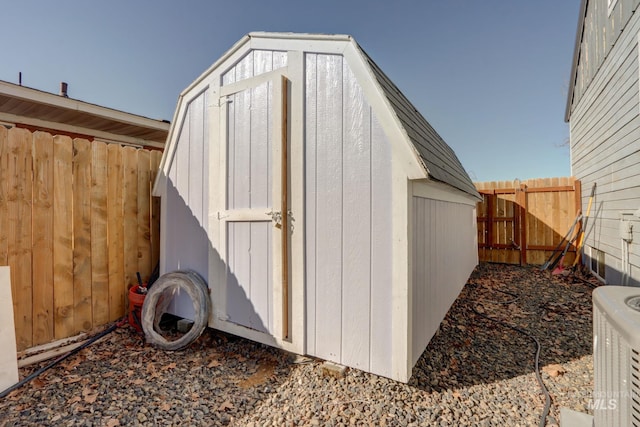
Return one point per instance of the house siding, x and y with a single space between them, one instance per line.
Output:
605 136
443 257
601 31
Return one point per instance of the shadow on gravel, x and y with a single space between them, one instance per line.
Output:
121 381
469 349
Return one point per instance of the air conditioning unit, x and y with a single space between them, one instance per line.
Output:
616 356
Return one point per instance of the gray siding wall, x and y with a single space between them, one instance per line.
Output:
601 31
605 149
348 221
186 201
444 254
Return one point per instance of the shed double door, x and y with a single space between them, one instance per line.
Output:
254 227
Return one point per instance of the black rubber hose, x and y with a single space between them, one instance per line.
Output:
516 297
59 359
547 397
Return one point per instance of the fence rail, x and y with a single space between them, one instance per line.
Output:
77 221
523 222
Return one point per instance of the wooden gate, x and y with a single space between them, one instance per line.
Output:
523 222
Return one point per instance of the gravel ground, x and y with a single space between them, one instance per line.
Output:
474 372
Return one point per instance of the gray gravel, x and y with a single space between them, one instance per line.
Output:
474 372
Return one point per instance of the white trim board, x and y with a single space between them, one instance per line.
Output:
429 189
8 349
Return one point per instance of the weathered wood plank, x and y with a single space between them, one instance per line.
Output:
156 156
130 214
99 249
43 309
548 211
82 306
19 196
62 237
4 179
144 214
115 229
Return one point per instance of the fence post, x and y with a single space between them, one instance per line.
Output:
521 202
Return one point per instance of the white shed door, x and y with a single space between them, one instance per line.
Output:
252 224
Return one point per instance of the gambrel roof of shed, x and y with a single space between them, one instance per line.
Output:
435 158
438 158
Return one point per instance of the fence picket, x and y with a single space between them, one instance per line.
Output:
115 229
144 215
42 238
4 179
534 214
77 221
19 196
63 323
99 247
82 304
130 215
156 157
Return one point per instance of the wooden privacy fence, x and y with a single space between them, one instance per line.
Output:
77 221
523 222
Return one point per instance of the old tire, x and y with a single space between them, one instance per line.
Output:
158 299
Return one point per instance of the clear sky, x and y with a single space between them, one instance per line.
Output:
491 76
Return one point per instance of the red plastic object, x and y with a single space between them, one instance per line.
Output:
136 299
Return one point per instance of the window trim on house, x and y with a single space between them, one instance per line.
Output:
597 264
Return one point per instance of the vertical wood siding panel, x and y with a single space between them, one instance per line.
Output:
196 159
348 251
262 61
182 159
417 287
241 190
279 59
260 271
381 270
356 212
42 238
62 237
188 244
204 194
249 282
260 148
231 152
239 304
445 250
173 210
258 62
310 198
329 208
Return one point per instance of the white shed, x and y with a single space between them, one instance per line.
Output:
327 216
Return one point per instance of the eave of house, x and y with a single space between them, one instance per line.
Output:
576 58
29 107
